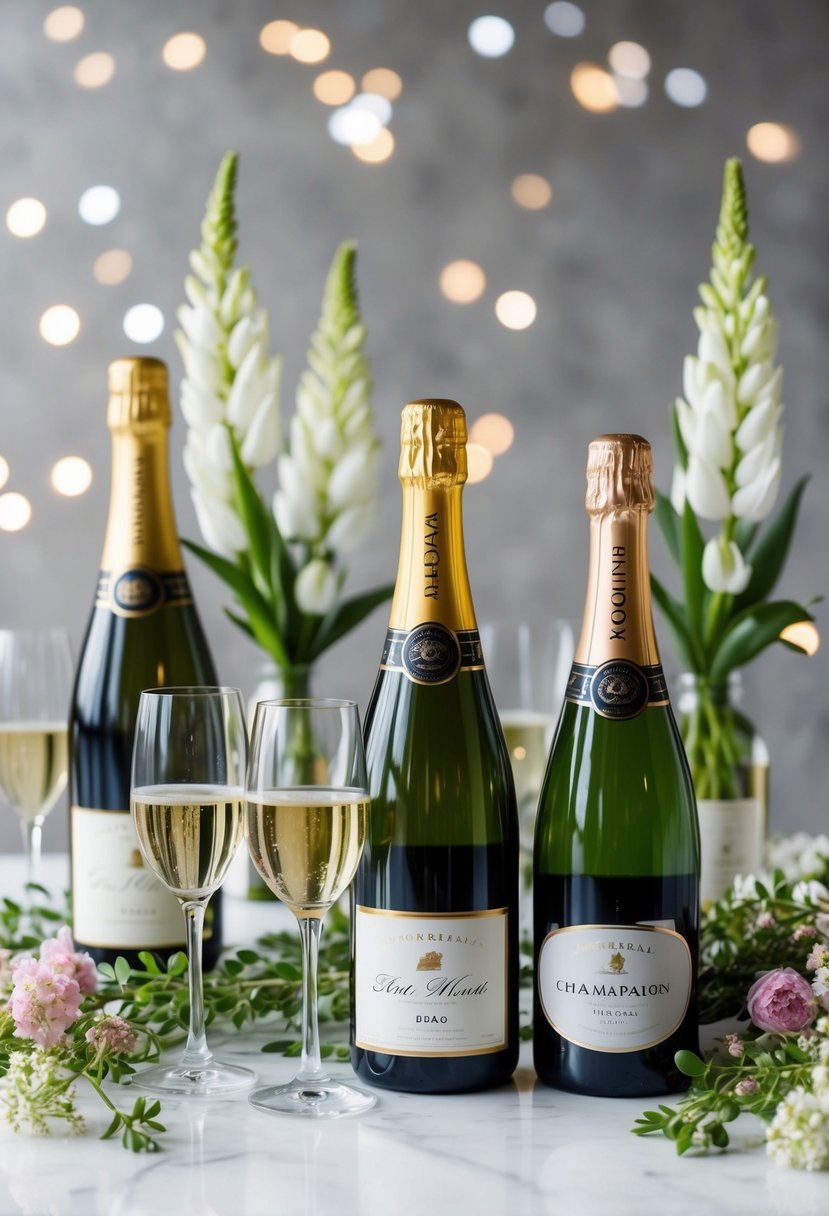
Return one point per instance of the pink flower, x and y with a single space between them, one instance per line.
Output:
60 953
112 1035
803 931
818 958
733 1044
746 1087
781 1001
765 920
43 1003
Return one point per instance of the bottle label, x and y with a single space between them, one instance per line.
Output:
117 903
731 835
430 984
432 654
615 988
617 689
139 591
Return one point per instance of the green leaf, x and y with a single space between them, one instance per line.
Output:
150 962
679 442
674 614
769 554
123 971
260 614
669 525
345 616
689 1063
177 963
254 516
277 1047
752 631
694 587
744 534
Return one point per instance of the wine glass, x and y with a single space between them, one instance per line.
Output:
528 668
35 689
188 773
305 821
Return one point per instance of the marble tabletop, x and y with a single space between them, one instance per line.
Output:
518 1151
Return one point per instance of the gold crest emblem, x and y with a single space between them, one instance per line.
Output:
617 964
430 961
136 860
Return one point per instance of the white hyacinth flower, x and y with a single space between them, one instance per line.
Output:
327 478
231 387
729 415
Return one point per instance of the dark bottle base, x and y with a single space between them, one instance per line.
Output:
577 1070
446 1075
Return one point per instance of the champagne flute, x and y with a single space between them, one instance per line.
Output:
35 687
188 772
305 822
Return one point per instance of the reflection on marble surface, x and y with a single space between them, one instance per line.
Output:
524 1150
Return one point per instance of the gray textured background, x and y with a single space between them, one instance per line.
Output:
613 264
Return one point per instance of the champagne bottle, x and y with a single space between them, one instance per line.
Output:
435 923
616 868
143 633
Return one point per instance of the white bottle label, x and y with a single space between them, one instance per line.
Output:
614 988
430 984
117 902
731 842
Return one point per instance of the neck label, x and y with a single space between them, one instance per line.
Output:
432 654
140 591
617 689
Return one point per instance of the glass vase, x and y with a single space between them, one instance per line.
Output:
730 766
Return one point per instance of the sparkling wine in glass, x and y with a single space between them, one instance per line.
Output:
35 688
187 796
305 822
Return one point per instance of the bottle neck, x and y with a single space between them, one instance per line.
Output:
141 526
432 582
618 617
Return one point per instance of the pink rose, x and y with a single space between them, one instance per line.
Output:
781 1000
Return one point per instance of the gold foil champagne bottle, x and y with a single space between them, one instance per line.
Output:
435 922
143 633
616 869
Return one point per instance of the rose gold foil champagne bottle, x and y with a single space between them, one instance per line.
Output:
616 868
143 632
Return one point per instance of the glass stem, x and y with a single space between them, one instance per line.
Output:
310 928
32 838
196 1052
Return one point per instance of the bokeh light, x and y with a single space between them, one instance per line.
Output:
275 37
143 323
334 88
803 634
629 59
379 150
383 81
773 142
26 217
4 471
99 205
479 463
64 23
60 325
565 19
493 432
95 70
112 267
515 309
15 511
71 476
491 36
309 46
532 191
594 88
686 87
349 125
631 92
183 52
462 282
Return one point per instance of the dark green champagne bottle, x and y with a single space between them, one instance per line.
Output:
143 633
435 921
616 871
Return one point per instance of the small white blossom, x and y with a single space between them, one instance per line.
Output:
32 1092
724 567
798 1135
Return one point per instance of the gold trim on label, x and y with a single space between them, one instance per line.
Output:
434 915
640 928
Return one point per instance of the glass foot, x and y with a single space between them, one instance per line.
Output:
197 1081
316 1098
